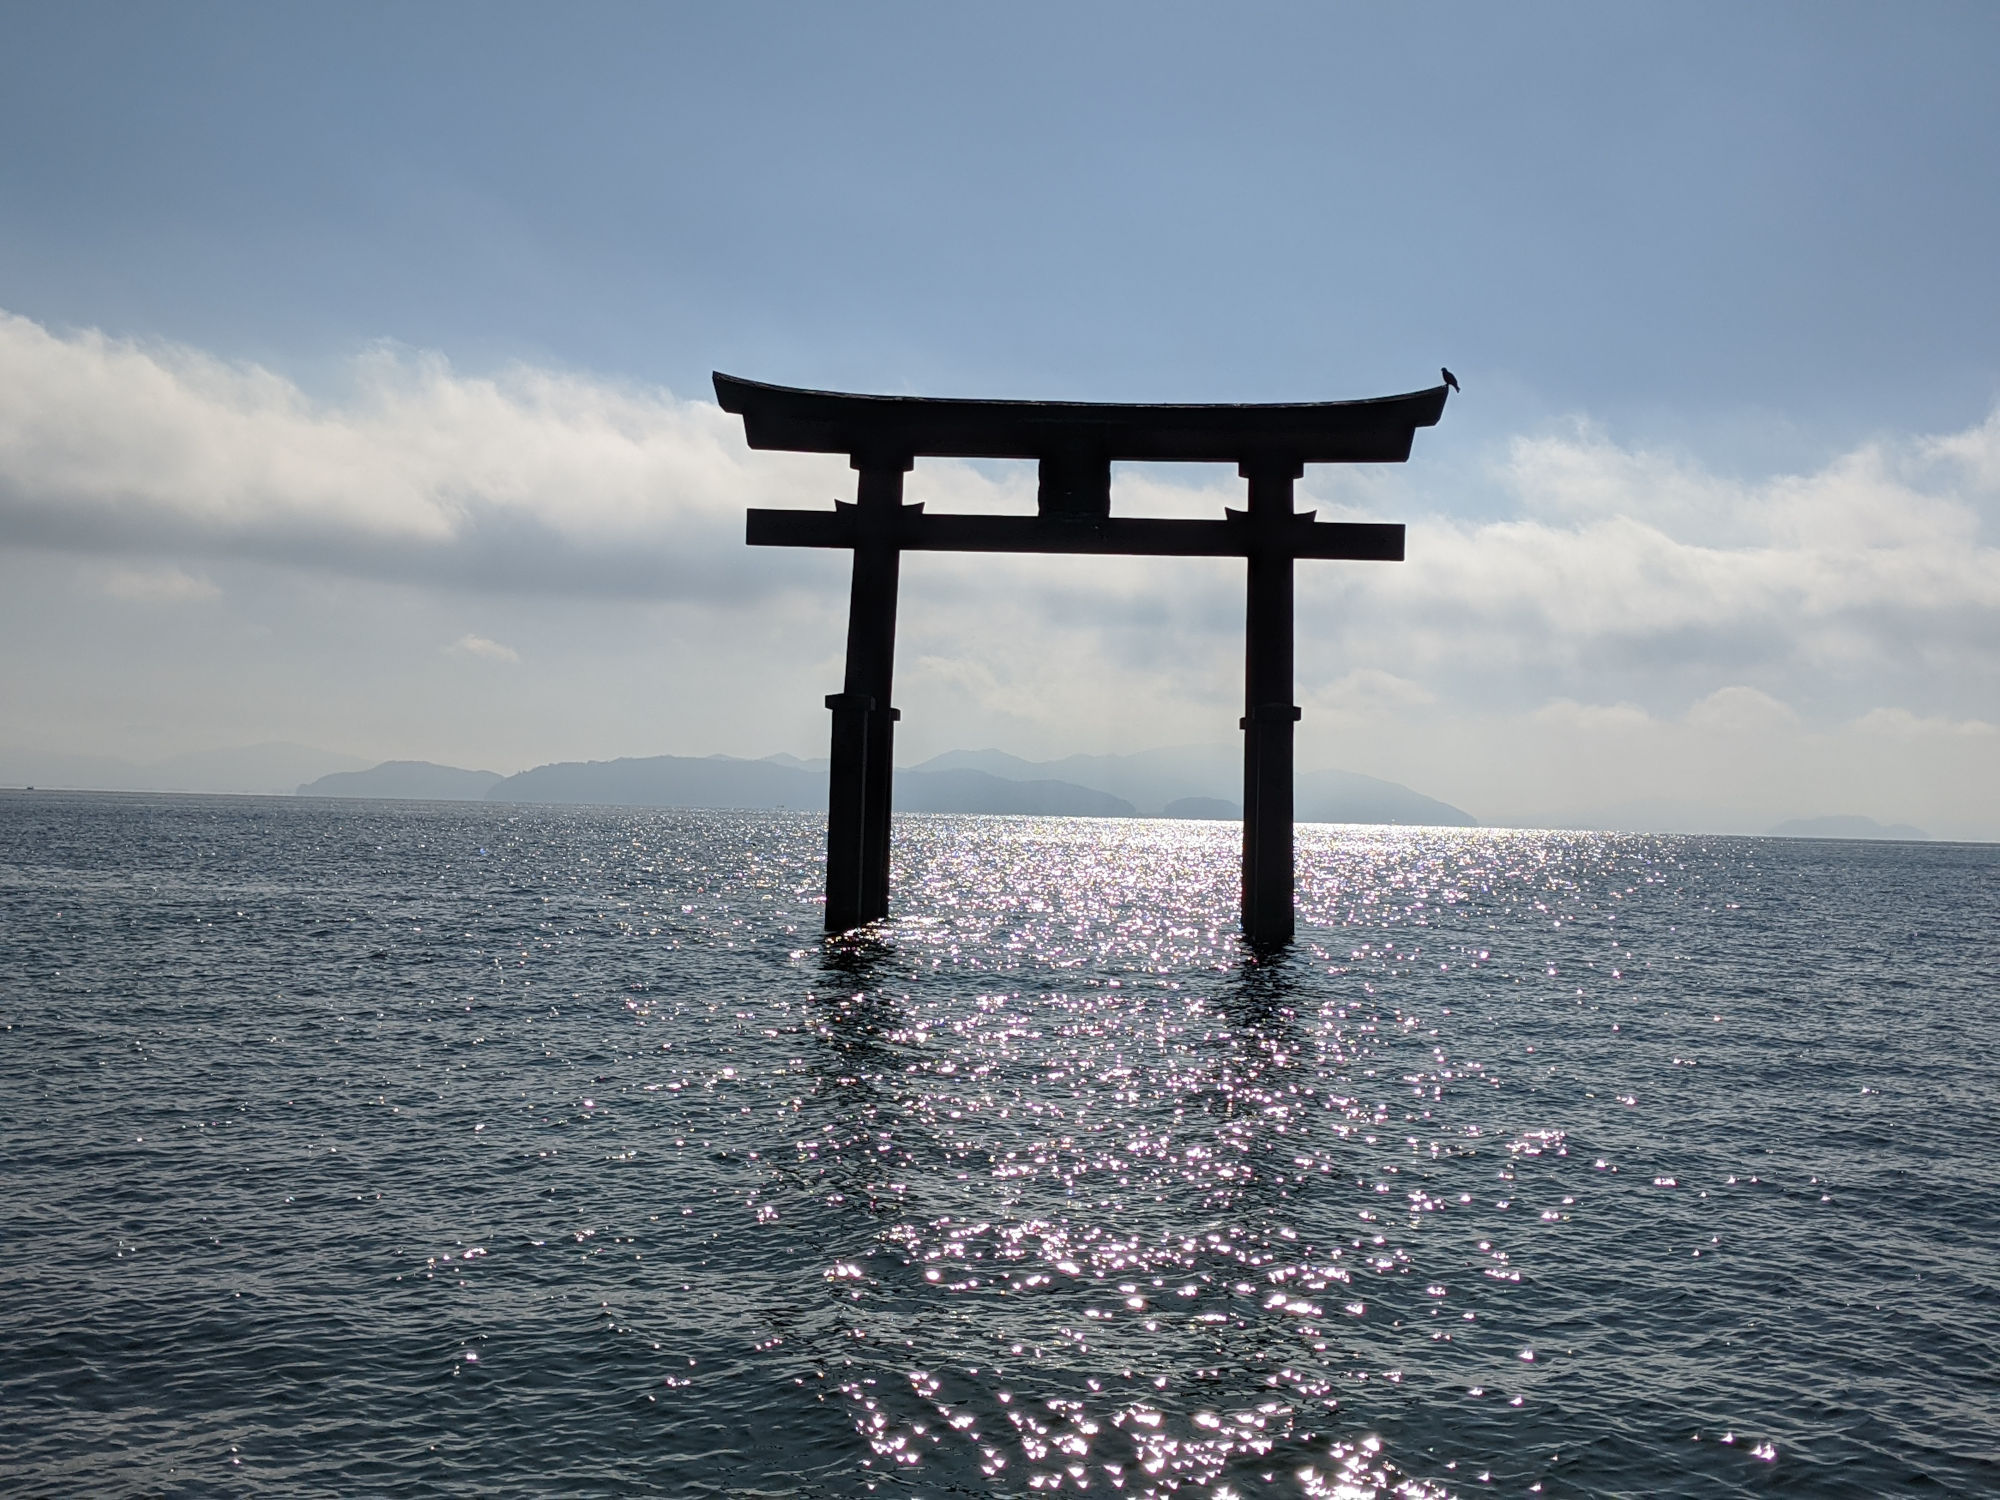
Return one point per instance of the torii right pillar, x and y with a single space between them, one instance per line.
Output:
1268 711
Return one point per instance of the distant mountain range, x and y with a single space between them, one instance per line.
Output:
1846 826
722 781
1214 808
407 780
1206 781
1189 782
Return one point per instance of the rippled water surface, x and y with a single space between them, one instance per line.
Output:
381 1148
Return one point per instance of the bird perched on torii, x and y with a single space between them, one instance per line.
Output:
1449 378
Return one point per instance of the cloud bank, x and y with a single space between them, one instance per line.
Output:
1617 607
530 479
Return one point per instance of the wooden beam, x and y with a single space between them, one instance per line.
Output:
1128 536
1376 430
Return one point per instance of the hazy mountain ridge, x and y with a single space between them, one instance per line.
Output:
969 791
406 780
785 782
666 781
1847 826
1158 782
1190 781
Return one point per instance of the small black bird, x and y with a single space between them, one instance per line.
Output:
1449 378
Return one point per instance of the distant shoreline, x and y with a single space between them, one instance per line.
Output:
299 798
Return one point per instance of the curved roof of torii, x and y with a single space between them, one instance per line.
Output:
1315 432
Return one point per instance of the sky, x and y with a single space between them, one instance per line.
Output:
354 381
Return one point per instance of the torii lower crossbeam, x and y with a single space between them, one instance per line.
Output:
1075 444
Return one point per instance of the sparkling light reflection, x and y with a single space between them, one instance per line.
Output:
1186 1203
513 1141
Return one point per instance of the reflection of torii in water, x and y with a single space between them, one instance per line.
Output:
1076 443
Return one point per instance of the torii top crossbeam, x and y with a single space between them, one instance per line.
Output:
1377 431
1076 443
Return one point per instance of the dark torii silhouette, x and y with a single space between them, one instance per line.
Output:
1075 443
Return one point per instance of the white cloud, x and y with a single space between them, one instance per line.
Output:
1370 692
1975 452
548 481
528 479
1567 718
1901 724
1629 575
1633 619
1737 761
160 585
1740 710
479 645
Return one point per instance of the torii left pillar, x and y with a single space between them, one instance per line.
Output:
862 760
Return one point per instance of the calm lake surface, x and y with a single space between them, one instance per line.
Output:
403 1148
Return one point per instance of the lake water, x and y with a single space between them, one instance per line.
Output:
393 1149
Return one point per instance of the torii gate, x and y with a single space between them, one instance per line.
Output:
1076 443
